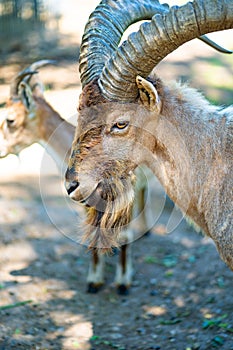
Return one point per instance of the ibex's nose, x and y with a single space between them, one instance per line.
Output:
71 187
71 181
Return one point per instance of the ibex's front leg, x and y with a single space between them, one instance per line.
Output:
124 271
95 278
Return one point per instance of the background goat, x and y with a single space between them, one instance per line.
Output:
29 119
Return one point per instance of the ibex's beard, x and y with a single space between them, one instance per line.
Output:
109 215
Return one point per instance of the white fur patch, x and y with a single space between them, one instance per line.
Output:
96 273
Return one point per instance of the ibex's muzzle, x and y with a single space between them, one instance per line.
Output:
71 187
77 192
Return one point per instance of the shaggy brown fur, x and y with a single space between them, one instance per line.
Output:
104 226
91 96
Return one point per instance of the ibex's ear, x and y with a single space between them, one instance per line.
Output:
26 97
148 94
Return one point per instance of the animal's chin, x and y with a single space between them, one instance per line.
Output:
109 210
94 199
91 199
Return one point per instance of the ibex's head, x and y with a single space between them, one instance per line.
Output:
119 109
18 128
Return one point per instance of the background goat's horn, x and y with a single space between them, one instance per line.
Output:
105 28
17 80
26 74
155 40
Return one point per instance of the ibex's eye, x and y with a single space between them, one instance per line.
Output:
117 127
121 125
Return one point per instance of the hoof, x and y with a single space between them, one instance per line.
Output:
122 289
115 251
148 233
93 288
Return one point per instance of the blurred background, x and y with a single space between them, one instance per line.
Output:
181 297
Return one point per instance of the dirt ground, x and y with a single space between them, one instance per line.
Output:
181 296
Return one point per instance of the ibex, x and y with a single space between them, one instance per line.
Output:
29 119
128 117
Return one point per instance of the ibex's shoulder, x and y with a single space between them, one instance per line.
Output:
227 112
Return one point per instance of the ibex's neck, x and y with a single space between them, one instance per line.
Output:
188 146
55 133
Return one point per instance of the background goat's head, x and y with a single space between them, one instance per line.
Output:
119 108
19 127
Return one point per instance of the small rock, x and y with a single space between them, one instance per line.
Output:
141 330
153 292
192 288
135 283
116 336
154 336
173 332
153 281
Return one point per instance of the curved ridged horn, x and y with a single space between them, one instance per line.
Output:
105 28
26 74
155 40
17 80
